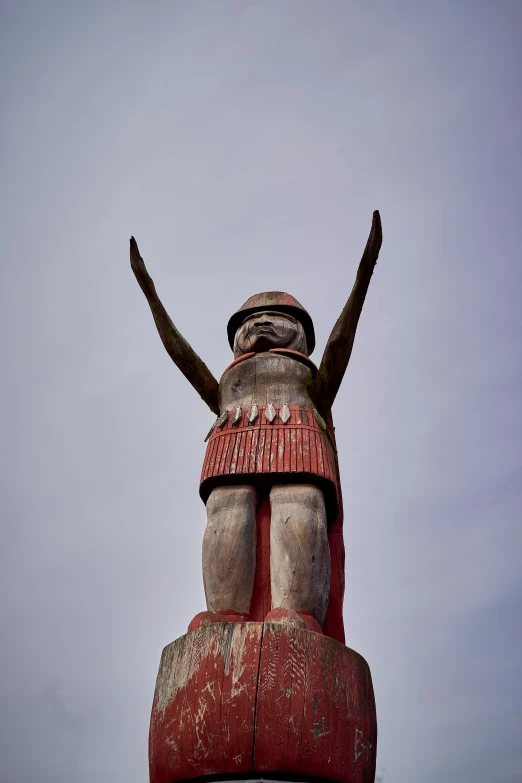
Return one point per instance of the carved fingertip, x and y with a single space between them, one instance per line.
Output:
376 222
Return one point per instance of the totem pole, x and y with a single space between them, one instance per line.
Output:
262 684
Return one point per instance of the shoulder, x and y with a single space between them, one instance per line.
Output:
239 360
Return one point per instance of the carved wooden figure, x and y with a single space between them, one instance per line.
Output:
273 548
273 434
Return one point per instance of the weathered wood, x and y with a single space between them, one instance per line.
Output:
266 377
263 699
202 720
263 451
272 301
315 711
267 329
187 360
299 552
229 548
340 343
261 384
279 698
262 445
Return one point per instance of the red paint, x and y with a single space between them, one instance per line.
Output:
261 601
234 450
239 360
334 622
205 725
302 620
298 446
311 623
297 355
253 698
315 712
204 619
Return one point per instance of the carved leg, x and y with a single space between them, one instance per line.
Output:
229 548
299 551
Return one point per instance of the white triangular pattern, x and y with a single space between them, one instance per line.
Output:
270 412
222 419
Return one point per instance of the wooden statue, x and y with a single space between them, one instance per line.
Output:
272 549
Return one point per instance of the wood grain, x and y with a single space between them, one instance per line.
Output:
315 712
238 698
340 343
182 354
299 552
202 719
261 452
229 548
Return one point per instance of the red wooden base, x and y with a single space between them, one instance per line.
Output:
234 698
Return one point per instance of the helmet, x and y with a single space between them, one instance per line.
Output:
279 302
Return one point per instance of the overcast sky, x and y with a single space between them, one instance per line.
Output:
245 145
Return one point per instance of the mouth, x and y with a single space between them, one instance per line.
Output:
264 329
263 337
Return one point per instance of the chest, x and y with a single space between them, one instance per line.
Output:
264 378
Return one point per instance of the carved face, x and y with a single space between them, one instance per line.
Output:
267 329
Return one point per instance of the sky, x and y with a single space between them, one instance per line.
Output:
245 145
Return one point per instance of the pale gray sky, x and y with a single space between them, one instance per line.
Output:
245 145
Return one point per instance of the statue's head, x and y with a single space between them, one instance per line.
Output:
271 320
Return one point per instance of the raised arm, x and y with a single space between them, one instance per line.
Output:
340 343
192 367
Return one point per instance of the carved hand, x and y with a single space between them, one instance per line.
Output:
373 245
140 271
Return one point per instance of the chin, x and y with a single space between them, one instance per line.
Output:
263 344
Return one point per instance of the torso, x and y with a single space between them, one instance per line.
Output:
256 442
265 378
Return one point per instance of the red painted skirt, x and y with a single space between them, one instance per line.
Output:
264 453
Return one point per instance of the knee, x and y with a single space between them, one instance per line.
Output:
226 499
308 496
